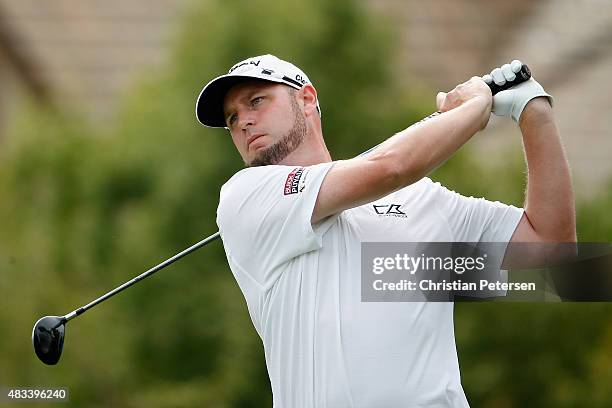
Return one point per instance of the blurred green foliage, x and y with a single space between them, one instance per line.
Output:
85 209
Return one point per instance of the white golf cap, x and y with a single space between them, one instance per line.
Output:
209 106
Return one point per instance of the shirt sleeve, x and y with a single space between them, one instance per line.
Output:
264 218
491 224
473 219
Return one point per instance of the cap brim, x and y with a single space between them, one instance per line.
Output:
209 105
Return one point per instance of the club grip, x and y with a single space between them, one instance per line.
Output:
523 75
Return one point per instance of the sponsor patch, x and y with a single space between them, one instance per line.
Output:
292 184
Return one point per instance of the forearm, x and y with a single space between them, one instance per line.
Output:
416 151
549 203
401 160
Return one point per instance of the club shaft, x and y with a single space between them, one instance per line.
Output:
142 276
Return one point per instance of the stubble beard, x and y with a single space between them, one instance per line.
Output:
287 144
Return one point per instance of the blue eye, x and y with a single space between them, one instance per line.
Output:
257 100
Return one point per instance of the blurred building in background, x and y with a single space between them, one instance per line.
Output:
85 53
18 74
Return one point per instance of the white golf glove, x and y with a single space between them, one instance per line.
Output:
512 101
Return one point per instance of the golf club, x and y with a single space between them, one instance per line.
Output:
49 332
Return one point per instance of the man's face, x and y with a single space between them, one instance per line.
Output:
265 121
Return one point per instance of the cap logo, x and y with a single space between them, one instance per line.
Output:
299 78
235 67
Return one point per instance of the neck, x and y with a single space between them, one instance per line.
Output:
312 151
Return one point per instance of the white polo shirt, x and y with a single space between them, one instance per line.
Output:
325 348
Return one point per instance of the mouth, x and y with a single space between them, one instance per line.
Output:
253 138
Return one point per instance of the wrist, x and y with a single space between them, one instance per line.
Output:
537 111
481 106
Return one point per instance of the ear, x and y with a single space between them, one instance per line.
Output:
309 96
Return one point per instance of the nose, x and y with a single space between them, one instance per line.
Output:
246 119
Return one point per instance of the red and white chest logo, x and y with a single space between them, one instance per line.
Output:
292 184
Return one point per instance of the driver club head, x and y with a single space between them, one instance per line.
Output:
48 338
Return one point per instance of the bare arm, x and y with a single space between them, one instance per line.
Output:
549 203
407 156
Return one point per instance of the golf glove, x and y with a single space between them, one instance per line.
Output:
512 101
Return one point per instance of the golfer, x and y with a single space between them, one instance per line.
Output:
293 220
